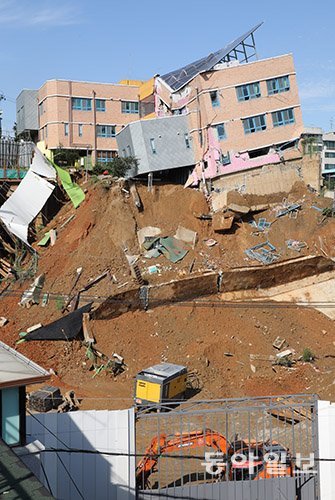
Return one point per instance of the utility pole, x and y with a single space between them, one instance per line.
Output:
2 98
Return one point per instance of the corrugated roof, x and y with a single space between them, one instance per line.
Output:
16 369
178 78
16 480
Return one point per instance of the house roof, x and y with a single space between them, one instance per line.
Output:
16 480
178 78
17 370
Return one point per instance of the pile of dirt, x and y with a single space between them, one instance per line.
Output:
98 237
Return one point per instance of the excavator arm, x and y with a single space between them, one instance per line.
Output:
166 444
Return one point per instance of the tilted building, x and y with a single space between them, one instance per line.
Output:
239 112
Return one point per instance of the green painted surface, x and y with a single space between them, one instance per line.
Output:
75 193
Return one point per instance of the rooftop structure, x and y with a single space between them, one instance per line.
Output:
178 78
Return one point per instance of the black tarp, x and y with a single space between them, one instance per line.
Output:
66 328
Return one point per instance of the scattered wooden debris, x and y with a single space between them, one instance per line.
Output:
53 236
291 414
34 327
89 339
32 295
70 403
45 399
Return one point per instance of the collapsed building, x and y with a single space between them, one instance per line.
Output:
225 113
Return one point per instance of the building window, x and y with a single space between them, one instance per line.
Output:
46 131
283 117
215 98
100 104
249 91
329 166
129 107
277 85
200 137
66 129
105 130
221 132
81 104
41 108
329 154
10 415
129 150
105 156
254 124
152 144
80 130
187 140
329 144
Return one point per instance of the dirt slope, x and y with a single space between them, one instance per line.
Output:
104 226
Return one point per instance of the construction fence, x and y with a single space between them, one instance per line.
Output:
15 158
251 448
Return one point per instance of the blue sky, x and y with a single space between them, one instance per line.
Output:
107 40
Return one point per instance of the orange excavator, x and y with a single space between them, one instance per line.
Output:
247 459
166 444
259 460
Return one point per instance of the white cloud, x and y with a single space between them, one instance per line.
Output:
317 89
37 13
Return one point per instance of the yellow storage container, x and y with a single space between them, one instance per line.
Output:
160 383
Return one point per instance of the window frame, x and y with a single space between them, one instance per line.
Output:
251 129
215 98
77 104
98 108
127 107
277 85
284 119
221 137
246 91
106 134
66 129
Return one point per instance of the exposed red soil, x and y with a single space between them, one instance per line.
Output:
95 240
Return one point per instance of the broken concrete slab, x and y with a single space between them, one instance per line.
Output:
240 209
278 343
3 321
284 354
222 223
186 235
153 253
136 197
147 232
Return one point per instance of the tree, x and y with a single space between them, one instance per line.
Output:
118 167
65 157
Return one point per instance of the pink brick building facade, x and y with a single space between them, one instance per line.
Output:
85 116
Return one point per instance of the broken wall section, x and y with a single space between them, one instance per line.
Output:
270 180
246 278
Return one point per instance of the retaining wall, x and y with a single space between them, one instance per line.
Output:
193 287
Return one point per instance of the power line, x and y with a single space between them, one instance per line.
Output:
140 455
268 302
